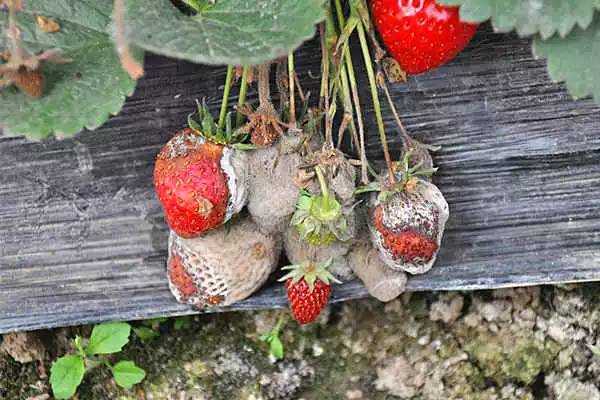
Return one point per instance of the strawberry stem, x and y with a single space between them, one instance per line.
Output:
376 105
355 97
322 183
242 95
393 108
279 323
264 88
325 85
292 81
223 112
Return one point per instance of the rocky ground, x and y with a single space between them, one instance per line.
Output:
530 343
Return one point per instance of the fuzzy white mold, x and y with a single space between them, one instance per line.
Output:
423 206
235 166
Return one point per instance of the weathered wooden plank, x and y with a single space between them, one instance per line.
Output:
82 238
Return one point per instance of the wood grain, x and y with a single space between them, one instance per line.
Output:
82 237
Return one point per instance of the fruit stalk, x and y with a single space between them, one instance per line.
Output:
292 81
325 85
12 33
322 183
224 102
376 105
383 85
242 95
264 88
342 88
355 97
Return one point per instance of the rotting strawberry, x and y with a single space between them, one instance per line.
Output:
308 288
421 34
201 180
222 267
407 220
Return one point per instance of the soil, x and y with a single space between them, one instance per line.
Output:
528 343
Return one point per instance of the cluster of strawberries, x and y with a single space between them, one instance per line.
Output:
203 179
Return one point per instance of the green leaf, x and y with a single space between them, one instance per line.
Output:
528 17
80 94
145 333
574 59
108 338
236 32
127 374
66 375
276 347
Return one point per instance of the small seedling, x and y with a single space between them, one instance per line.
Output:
67 372
272 338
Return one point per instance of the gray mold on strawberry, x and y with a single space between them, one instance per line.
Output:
236 167
272 192
343 181
382 282
223 266
407 228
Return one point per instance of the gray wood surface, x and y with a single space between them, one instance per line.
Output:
82 237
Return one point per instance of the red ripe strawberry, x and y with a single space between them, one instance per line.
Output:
199 184
420 34
308 287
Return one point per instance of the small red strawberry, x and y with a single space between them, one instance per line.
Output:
308 288
200 184
420 34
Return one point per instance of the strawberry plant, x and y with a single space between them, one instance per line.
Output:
234 187
565 32
67 372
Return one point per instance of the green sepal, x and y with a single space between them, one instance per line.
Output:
310 271
319 219
371 187
404 172
204 124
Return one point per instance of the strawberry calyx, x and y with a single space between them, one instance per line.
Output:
407 178
320 219
310 271
203 123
